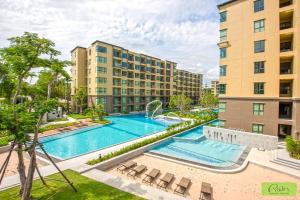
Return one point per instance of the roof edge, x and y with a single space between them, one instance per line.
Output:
226 3
77 48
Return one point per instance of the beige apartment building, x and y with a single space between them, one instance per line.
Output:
189 84
123 80
259 85
214 88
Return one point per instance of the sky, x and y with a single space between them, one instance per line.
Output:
183 31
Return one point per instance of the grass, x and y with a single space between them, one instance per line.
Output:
104 121
88 189
79 116
55 126
174 129
59 119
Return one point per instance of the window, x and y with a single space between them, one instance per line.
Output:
259 5
136 58
223 52
222 88
101 49
137 83
223 16
259 26
257 128
258 109
223 70
124 55
259 46
223 35
259 67
101 100
124 91
222 107
124 82
101 70
101 90
259 88
101 59
124 64
101 80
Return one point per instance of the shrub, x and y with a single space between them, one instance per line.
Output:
55 126
293 147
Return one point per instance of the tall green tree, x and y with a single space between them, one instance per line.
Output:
208 100
80 98
180 102
25 53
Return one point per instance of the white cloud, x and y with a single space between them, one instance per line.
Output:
184 31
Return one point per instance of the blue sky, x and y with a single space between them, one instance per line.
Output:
184 31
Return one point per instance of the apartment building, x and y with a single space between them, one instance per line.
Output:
214 88
189 84
259 85
120 79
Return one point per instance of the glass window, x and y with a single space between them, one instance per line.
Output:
259 46
222 88
124 64
258 109
101 49
259 88
257 128
101 80
101 59
124 55
223 16
221 123
100 90
259 5
223 35
222 107
101 100
124 91
259 67
259 25
136 58
223 70
101 70
223 52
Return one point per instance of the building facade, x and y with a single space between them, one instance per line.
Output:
120 79
189 84
215 88
259 85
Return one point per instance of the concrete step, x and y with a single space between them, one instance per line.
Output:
286 163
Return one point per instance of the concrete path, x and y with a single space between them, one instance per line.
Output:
131 186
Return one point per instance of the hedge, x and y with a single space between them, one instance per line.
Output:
293 147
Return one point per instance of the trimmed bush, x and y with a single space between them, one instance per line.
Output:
293 147
55 126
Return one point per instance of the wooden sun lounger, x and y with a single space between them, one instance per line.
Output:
125 166
137 170
165 181
182 186
206 191
149 178
78 125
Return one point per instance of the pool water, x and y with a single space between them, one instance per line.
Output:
89 139
192 146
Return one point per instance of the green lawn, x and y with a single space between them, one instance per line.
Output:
79 116
87 189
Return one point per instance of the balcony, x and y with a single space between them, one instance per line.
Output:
286 46
285 110
286 67
286 88
285 3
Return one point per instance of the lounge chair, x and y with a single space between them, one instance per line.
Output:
182 186
136 171
206 191
61 129
126 166
165 181
149 178
78 125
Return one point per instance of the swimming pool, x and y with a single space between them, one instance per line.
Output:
122 129
194 147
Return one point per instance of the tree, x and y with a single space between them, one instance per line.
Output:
40 107
99 109
80 98
24 53
180 102
208 100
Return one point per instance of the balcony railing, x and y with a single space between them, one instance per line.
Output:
285 3
285 46
285 25
286 68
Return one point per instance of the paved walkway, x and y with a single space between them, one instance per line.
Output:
131 186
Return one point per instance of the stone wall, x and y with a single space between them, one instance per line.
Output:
255 140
